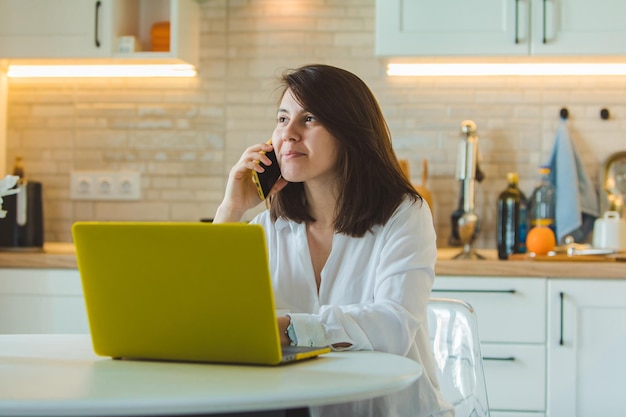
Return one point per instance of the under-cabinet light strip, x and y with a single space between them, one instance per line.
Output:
522 69
72 71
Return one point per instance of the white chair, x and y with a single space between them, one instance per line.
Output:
456 348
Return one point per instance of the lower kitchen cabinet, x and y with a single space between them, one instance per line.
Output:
551 347
586 345
41 301
515 376
511 315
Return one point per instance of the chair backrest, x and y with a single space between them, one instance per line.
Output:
456 347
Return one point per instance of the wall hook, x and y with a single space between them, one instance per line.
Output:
604 114
564 113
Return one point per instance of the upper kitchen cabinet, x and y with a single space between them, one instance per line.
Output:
80 29
54 29
500 27
578 27
449 27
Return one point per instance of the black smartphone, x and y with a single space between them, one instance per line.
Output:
265 180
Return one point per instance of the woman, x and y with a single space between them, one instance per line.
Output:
351 244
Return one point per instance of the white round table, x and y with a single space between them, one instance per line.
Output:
59 375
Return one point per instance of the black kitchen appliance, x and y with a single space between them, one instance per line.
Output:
22 228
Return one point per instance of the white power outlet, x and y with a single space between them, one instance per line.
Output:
105 185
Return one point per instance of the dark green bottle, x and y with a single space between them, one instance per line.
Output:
511 224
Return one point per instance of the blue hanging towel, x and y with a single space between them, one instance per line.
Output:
577 202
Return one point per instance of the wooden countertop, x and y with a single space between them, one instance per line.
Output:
62 255
493 267
54 255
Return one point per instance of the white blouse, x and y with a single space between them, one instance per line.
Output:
373 295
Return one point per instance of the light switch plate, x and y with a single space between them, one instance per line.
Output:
105 185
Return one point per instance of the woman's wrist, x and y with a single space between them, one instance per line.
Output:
283 323
290 332
225 214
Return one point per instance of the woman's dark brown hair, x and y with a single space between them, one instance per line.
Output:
370 180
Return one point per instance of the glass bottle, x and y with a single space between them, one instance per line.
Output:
541 205
511 225
18 168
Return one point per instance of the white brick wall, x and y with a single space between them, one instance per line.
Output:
183 135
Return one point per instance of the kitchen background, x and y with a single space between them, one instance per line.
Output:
183 135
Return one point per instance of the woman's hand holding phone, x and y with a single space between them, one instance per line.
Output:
266 179
241 191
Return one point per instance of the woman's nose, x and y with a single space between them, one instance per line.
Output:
289 134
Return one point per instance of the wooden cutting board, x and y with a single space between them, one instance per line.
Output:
421 189
562 257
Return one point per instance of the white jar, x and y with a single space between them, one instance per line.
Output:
609 232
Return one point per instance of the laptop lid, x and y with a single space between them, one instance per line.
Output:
179 291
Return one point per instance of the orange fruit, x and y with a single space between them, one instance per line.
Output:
540 240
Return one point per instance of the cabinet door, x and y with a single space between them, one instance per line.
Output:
509 310
41 301
4 88
586 342
511 314
452 27
516 376
576 27
54 28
